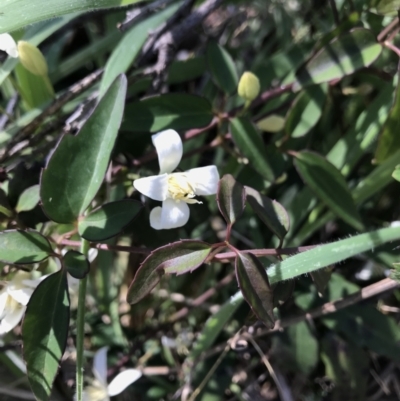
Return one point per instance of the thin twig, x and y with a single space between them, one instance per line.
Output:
203 383
284 391
392 47
107 247
220 257
9 111
137 14
384 285
370 291
387 30
74 91
201 299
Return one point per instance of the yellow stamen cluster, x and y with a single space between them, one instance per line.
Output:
180 188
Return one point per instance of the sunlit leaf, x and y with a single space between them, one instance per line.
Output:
45 332
19 13
36 90
342 56
66 194
273 123
329 185
396 173
20 247
179 257
306 111
329 254
28 199
388 7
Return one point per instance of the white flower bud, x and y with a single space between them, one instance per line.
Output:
32 58
249 86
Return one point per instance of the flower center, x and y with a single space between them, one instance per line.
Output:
180 188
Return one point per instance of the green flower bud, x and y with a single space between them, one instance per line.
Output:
32 58
249 86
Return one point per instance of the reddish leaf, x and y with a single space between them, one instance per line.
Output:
254 284
271 212
178 257
230 198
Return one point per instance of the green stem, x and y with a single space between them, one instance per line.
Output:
80 327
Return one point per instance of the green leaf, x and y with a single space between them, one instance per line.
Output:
321 279
329 185
388 7
169 111
66 194
214 325
253 282
186 70
230 198
282 292
251 145
34 35
16 14
222 68
370 328
306 111
108 220
396 173
342 56
126 51
28 199
329 254
5 207
273 123
45 332
178 257
35 90
303 347
389 139
345 364
21 247
271 212
76 264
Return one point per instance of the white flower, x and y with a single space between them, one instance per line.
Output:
8 45
174 190
99 390
14 297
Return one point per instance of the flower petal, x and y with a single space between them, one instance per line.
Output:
3 302
100 365
123 380
155 218
155 186
21 295
205 179
12 319
169 150
7 44
92 254
174 214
